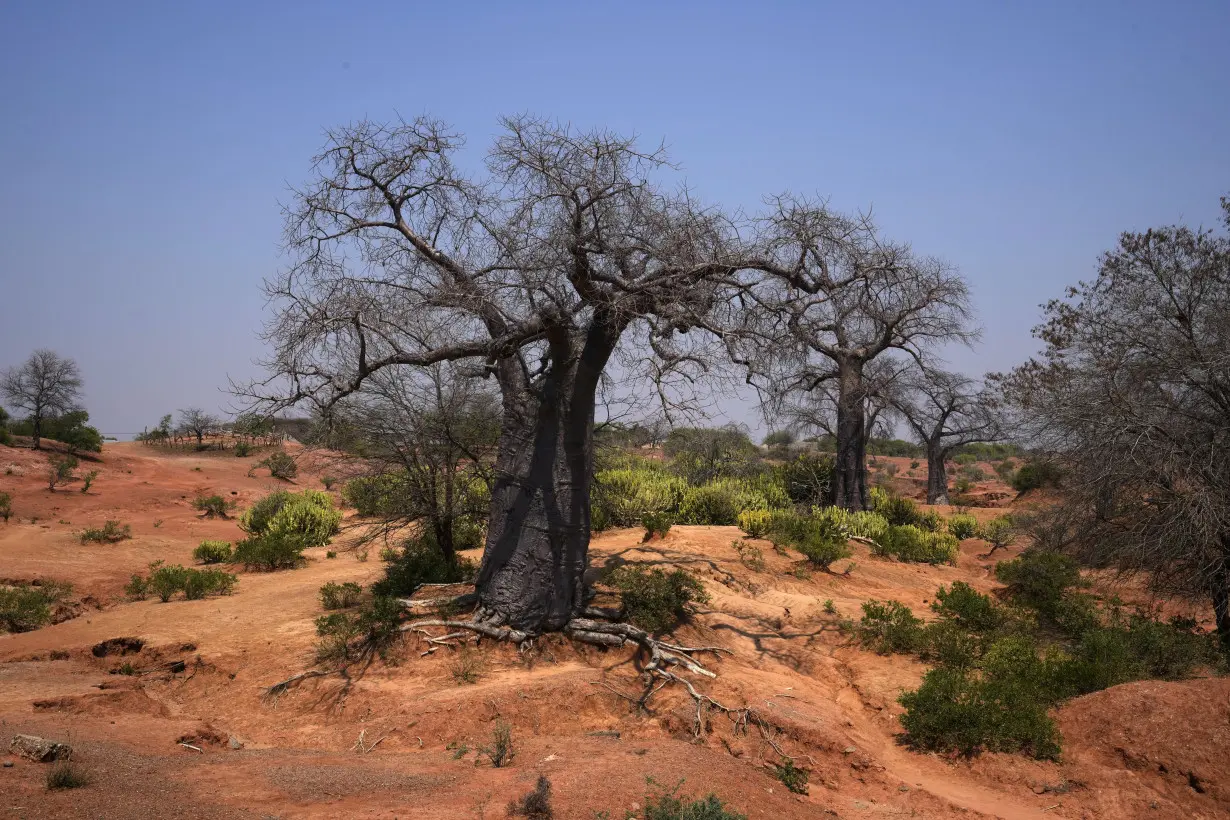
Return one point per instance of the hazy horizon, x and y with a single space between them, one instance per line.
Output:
150 145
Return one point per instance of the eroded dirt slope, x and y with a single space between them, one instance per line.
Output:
1143 750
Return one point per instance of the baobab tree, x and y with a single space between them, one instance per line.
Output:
848 296
1131 396
46 385
944 411
566 254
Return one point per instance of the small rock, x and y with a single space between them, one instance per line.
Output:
39 749
849 750
235 743
8 764
903 788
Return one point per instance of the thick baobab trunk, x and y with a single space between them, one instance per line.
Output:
850 469
532 575
937 476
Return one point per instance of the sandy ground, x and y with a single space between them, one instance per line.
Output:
1143 750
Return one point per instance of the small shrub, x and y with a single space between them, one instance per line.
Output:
749 555
466 666
962 527
501 751
6 507
998 532
421 562
213 506
899 511
137 587
213 552
1039 579
24 607
374 629
931 521
271 551
890 469
830 608
913 544
822 549
328 481
537 804
792 777
111 532
88 481
60 471
330 554
197 583
1034 475
280 466
654 599
807 479
755 523
66 774
658 524
913 465
309 516
165 581
340 596
890 626
719 502
967 607
389 554
243 449
668 805
964 459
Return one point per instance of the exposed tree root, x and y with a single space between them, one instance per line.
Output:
281 687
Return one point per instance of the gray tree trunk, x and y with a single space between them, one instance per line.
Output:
850 468
937 476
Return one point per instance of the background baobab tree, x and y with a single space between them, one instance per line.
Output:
840 297
944 411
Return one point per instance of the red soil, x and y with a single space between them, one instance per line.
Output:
1142 750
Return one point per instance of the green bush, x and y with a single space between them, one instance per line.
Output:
623 497
379 495
669 805
823 542
374 629
862 524
536 805
1039 579
957 710
998 532
962 526
931 521
213 552
307 515
110 532
890 626
964 459
164 581
915 545
1036 474
755 523
340 596
654 599
6 506
60 471
658 524
421 562
242 449
280 466
213 506
270 551
719 502
897 510
807 479
792 777
24 607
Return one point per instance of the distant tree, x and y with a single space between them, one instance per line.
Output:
945 411
857 297
196 422
5 435
71 429
780 438
46 385
1131 401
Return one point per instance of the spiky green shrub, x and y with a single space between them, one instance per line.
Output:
807 478
864 524
1040 579
624 496
658 524
931 521
915 545
890 626
213 506
755 522
962 526
654 599
164 581
669 805
899 511
213 552
720 501
270 551
308 515
280 465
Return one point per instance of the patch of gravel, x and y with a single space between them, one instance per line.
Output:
316 781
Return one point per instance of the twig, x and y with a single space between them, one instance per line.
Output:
193 748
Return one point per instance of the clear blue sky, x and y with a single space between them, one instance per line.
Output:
147 147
